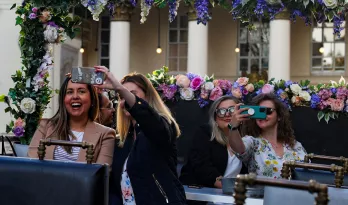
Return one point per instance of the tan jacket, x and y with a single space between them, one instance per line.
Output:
102 137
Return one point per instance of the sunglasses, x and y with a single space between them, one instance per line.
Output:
221 112
267 110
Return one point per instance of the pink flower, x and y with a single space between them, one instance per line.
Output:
267 88
215 93
196 83
242 81
236 92
225 85
337 105
250 87
182 81
19 123
34 9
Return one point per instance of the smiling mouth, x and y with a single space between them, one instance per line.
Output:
75 105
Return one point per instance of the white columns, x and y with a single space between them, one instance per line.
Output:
120 42
197 57
10 55
279 48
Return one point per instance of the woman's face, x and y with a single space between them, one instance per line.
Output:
77 100
136 90
223 120
271 119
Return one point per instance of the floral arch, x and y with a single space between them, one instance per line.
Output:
46 22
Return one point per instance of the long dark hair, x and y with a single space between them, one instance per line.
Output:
284 130
60 121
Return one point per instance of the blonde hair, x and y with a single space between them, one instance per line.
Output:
216 131
153 99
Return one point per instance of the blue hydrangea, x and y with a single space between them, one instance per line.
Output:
315 100
288 83
202 103
333 90
191 76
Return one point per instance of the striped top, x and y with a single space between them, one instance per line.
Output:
61 155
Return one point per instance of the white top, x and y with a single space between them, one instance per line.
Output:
261 158
62 155
126 187
234 165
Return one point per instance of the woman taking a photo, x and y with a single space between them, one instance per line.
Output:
211 156
144 166
268 142
74 121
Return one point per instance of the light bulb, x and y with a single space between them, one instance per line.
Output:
237 50
82 50
321 50
159 50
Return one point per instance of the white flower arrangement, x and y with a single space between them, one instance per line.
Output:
28 105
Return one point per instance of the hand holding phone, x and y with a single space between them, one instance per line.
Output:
87 75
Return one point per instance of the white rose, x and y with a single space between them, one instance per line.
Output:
28 105
305 95
186 93
51 34
208 86
295 88
331 4
293 99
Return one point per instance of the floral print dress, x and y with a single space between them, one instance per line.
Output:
126 187
261 158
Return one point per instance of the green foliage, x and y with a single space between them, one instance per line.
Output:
34 47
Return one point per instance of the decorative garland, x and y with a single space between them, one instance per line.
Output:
330 99
44 22
28 99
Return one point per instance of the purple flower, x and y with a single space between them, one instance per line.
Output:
341 93
202 13
168 90
34 9
148 3
325 94
279 92
235 85
51 23
258 92
260 7
111 7
315 100
18 131
202 103
337 24
191 76
173 6
32 16
288 83
333 90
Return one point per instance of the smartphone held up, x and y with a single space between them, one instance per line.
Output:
87 75
255 112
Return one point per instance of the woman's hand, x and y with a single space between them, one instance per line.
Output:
110 83
237 117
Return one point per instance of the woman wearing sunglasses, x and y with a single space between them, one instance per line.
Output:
211 157
267 142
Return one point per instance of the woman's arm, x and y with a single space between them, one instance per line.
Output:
234 137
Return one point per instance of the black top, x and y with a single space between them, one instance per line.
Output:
206 161
152 160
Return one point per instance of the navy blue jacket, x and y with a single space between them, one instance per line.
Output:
152 160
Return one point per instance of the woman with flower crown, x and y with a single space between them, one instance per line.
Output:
267 142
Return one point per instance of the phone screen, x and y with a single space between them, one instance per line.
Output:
87 75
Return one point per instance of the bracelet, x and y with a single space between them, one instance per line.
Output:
232 128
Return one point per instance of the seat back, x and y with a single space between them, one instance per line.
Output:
325 177
25 181
285 196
